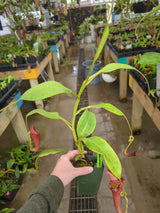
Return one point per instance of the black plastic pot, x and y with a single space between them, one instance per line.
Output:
8 94
6 67
89 184
32 61
19 60
53 42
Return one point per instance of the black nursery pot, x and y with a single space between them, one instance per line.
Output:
31 59
19 60
89 184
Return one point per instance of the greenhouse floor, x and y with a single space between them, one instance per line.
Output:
141 173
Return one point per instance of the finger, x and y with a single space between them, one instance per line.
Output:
83 171
71 154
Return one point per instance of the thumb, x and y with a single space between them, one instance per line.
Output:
83 171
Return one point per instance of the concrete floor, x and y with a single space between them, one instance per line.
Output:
141 173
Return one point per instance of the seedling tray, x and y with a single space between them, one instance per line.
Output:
8 96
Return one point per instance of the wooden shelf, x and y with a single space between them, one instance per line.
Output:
32 74
13 115
27 74
140 101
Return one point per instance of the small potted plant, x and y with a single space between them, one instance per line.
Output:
22 159
9 185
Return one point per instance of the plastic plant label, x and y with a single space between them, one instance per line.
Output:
31 73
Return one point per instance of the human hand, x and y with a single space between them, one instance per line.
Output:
66 171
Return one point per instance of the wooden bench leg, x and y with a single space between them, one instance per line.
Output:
123 84
55 61
61 54
67 42
69 38
20 127
137 112
63 49
50 71
39 104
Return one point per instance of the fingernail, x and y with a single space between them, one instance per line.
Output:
90 169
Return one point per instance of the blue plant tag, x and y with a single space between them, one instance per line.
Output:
19 103
53 48
122 60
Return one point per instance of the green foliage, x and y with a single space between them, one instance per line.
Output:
150 58
99 145
45 90
86 124
21 159
6 210
7 186
87 121
7 181
30 43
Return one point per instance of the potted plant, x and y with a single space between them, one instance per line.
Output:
8 88
9 185
87 121
22 159
85 30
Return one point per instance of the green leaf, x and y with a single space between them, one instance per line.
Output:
108 107
25 166
109 68
48 152
10 163
14 186
51 115
102 42
115 66
45 90
17 172
150 58
100 146
86 124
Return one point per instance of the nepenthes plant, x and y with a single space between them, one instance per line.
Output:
87 121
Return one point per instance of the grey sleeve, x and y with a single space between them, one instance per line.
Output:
46 198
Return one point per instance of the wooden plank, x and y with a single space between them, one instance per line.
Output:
123 84
55 61
137 112
63 48
69 38
17 75
147 104
58 44
61 53
112 55
20 128
28 73
7 115
65 42
50 71
44 63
